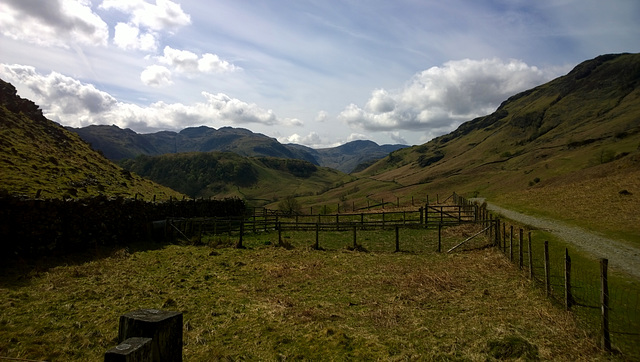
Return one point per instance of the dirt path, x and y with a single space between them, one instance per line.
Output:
621 255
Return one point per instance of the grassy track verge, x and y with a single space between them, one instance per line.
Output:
274 303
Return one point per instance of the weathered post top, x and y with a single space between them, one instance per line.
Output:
163 327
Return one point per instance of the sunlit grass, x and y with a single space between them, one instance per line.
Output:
267 303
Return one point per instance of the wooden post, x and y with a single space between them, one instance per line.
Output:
568 298
547 274
397 239
239 245
421 217
511 244
439 237
520 254
355 239
498 233
604 303
317 246
163 327
504 238
530 258
279 226
337 223
135 349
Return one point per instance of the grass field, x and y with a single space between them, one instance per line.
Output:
278 303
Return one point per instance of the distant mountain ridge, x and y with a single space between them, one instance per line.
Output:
119 144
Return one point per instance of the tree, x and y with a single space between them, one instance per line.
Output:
289 205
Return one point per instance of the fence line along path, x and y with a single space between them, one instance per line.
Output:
620 255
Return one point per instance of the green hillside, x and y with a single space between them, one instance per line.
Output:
258 180
41 158
568 148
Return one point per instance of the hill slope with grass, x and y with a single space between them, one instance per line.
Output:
258 180
567 149
41 158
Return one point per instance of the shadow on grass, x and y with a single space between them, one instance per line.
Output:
17 272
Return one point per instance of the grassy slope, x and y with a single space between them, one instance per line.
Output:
268 303
44 156
564 149
258 184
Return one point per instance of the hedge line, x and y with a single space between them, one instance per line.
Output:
34 227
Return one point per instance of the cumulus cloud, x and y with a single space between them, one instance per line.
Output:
397 138
63 95
164 15
188 62
311 140
438 99
156 76
146 21
53 22
73 103
322 116
356 136
129 36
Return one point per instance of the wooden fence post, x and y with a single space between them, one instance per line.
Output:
355 238
317 246
511 244
547 275
163 327
439 237
520 254
504 238
239 245
397 238
530 258
604 303
568 299
279 226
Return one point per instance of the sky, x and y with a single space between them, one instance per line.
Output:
314 72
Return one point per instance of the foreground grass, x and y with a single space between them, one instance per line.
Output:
274 303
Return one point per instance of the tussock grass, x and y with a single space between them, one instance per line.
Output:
271 303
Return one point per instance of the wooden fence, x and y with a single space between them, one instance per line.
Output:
613 309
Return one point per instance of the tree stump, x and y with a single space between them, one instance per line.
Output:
163 327
136 349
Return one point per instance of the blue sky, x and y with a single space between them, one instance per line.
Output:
318 73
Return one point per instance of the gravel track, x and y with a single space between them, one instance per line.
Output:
621 255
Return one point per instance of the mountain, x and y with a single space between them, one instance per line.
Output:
350 157
40 158
569 148
257 180
118 144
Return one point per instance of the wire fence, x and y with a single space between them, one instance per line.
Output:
605 301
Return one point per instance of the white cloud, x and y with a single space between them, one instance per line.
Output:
73 103
60 23
156 76
62 95
356 136
397 138
188 62
438 99
311 140
164 15
322 116
128 36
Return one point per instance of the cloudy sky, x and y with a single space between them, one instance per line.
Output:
314 72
